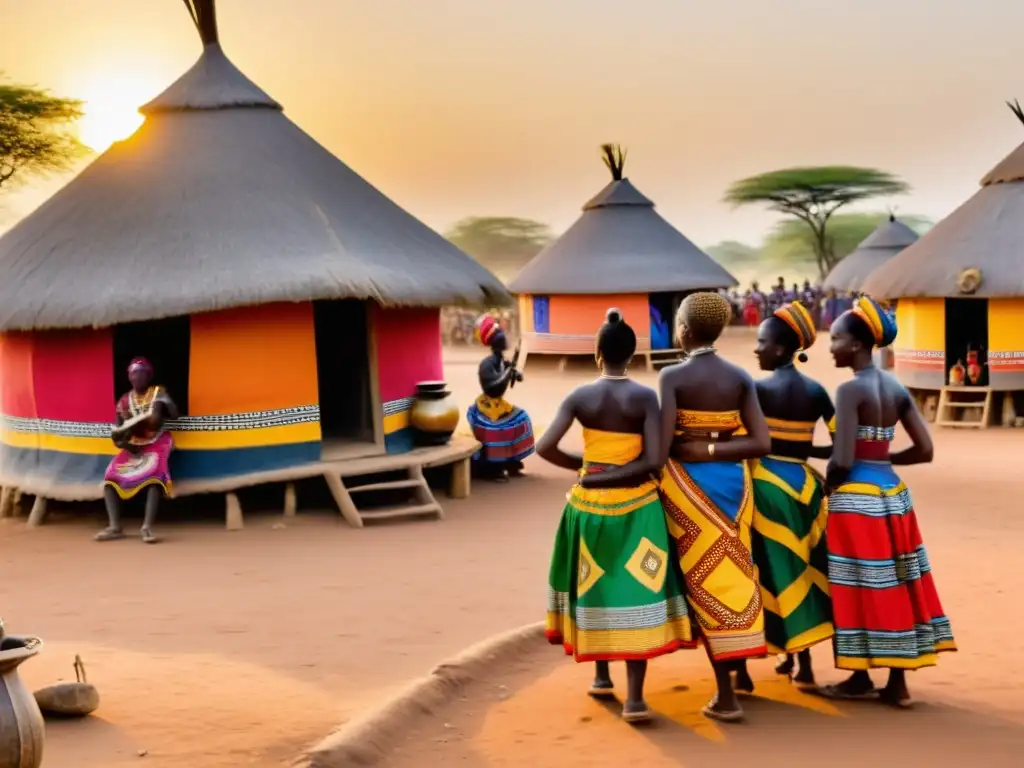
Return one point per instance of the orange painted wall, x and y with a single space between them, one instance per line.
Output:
583 315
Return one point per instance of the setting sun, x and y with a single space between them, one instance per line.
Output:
112 111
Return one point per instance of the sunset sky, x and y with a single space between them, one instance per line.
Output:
497 107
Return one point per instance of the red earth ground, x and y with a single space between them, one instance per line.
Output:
219 649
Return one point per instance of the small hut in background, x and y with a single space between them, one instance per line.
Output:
888 239
288 306
619 253
960 292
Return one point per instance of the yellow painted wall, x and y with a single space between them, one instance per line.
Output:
1006 325
920 346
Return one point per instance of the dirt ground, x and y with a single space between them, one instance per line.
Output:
219 649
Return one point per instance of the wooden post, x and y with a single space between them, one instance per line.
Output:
17 500
461 479
233 513
343 500
38 513
7 502
291 504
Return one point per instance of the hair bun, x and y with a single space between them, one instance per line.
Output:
802 357
613 316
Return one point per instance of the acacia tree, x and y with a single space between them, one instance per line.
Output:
36 136
813 195
503 244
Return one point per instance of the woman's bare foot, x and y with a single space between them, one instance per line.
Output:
896 692
109 534
785 667
148 536
744 684
636 711
727 712
856 686
602 685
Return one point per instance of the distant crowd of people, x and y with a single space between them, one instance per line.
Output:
458 325
754 305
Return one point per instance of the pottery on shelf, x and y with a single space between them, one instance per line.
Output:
434 414
957 374
21 723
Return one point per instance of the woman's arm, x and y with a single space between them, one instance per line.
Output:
640 469
845 438
547 446
667 430
827 412
922 451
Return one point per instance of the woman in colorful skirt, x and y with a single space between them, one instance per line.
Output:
790 511
711 426
885 606
614 591
142 464
504 430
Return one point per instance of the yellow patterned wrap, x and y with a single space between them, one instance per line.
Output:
615 449
709 507
794 431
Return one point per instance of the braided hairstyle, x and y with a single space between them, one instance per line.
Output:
616 340
704 315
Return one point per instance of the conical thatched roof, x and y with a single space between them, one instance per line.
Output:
985 234
620 245
220 201
888 239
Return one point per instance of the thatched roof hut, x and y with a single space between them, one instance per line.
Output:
961 286
220 201
287 305
619 252
888 239
620 245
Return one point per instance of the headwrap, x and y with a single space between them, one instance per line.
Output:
879 320
796 316
139 364
486 328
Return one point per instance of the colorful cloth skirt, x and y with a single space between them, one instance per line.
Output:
885 607
503 430
709 507
129 473
614 591
789 548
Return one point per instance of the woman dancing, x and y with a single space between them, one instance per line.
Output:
886 610
711 424
614 592
790 511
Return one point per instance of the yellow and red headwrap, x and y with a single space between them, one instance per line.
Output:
486 327
879 321
796 316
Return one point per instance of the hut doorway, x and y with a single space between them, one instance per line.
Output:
967 332
166 344
663 308
341 329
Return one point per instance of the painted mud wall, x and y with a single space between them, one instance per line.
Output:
568 325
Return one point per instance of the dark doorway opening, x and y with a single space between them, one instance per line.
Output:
663 318
966 333
341 329
166 344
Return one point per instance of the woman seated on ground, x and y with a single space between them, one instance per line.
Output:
886 610
790 511
614 591
711 425
504 431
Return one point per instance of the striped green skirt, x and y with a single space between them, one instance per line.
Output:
789 550
615 591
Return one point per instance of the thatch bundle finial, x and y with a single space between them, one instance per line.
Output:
614 157
1016 109
204 16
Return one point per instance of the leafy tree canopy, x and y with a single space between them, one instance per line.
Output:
36 132
503 244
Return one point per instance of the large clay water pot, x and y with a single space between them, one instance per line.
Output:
435 414
21 723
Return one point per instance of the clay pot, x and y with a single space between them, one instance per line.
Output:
957 374
973 368
21 723
434 414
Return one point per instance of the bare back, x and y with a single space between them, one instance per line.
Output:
612 406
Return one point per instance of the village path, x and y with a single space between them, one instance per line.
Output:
221 649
